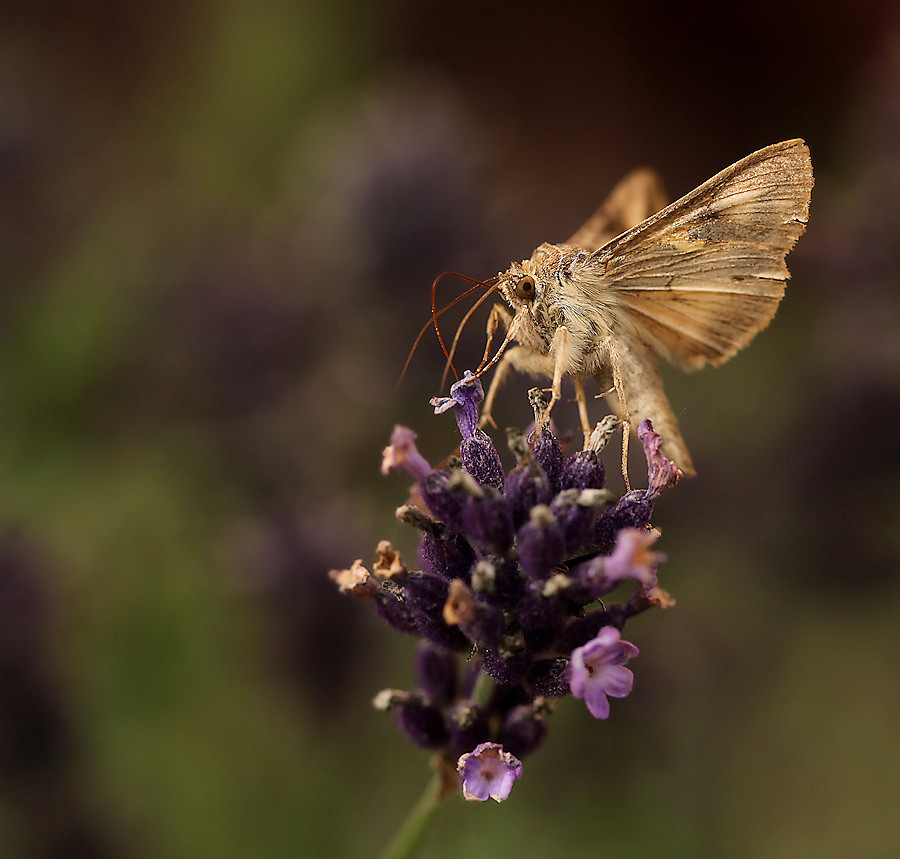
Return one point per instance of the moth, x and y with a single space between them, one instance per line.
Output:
692 283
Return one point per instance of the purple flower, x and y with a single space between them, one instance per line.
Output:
465 395
632 557
403 453
506 598
662 472
488 772
598 669
476 450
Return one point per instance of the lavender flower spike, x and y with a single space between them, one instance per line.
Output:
477 451
598 670
488 772
505 600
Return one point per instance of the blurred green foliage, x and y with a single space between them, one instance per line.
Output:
210 284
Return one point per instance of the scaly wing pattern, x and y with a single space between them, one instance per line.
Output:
699 279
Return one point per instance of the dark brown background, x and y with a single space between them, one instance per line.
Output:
219 225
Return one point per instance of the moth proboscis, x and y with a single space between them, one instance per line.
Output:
692 282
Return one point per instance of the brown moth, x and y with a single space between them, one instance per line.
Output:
693 283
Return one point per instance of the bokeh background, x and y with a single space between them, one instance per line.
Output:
219 224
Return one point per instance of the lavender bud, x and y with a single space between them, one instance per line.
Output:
422 723
396 612
426 595
545 448
443 502
523 730
481 460
541 543
577 512
526 487
482 623
436 674
633 510
548 677
450 556
507 670
541 619
488 522
582 470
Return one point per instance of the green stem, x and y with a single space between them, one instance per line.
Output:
410 834
483 688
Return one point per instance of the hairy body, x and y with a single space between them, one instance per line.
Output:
692 283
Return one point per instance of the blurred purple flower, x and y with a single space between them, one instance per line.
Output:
488 773
598 670
403 453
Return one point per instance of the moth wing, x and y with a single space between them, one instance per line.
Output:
699 279
633 200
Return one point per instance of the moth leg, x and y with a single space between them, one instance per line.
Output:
515 358
631 370
582 410
559 348
619 388
499 316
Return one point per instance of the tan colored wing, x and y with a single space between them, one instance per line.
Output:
633 200
698 280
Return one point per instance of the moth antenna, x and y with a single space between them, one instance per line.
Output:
435 314
433 320
459 329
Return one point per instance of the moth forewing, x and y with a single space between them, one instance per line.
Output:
703 276
692 283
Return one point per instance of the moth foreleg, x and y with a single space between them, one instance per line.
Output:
515 358
499 316
559 354
582 410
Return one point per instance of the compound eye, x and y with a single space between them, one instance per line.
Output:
525 288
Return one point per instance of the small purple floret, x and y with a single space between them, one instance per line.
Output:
465 395
477 451
598 670
632 557
662 472
403 453
488 773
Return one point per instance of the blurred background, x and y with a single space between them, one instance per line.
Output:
219 225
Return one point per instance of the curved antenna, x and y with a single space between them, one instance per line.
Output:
433 320
459 329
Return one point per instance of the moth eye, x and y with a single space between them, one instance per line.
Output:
525 288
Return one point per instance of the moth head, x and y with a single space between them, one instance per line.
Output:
525 288
521 287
